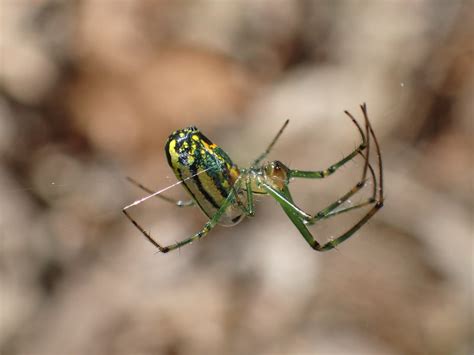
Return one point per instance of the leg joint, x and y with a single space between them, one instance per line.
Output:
316 246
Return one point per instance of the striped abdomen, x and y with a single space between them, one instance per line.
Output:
210 171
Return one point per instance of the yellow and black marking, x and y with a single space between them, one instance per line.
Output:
206 170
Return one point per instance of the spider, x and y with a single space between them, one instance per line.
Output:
225 192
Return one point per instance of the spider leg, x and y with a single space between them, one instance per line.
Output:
332 209
329 210
250 204
299 223
179 203
145 233
284 198
203 232
270 146
333 168
249 208
300 218
333 212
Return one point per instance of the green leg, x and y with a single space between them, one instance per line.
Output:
333 168
329 211
207 227
298 222
333 243
294 213
326 172
284 198
300 218
333 206
203 232
178 203
366 203
250 208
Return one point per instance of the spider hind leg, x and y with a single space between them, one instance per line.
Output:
231 199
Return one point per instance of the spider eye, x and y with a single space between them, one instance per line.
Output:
277 165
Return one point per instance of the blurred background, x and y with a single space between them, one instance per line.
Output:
90 91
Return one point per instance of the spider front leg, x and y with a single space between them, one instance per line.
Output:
283 196
333 168
329 211
300 218
332 210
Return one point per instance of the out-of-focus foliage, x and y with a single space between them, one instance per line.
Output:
90 90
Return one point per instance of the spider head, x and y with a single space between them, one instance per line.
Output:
276 173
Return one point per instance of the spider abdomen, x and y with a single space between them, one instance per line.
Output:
207 172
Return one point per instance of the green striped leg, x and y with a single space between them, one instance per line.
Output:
203 232
333 208
300 218
329 171
284 198
249 210
333 168
329 211
179 203
332 212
